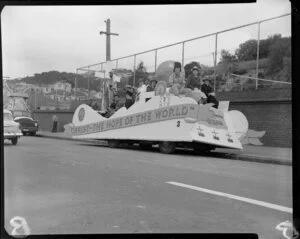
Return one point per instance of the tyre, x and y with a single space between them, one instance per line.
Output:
113 143
14 141
167 147
33 133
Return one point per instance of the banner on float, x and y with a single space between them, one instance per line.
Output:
203 115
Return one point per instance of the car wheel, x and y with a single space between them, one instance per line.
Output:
14 141
167 147
33 133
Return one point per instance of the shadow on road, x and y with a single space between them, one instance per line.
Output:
154 149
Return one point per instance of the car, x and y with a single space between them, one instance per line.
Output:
11 128
27 125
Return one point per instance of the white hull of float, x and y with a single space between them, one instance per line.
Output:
162 118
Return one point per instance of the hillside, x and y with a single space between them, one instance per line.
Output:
51 77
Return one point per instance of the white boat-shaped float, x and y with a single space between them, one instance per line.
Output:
166 120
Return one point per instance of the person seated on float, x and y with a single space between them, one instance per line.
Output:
141 88
147 83
114 106
209 92
90 103
193 84
152 85
129 96
176 80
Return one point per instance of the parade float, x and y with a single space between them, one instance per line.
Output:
163 119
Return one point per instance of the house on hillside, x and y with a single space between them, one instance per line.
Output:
81 96
47 88
62 85
92 93
98 95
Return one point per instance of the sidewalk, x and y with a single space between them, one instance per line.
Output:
262 154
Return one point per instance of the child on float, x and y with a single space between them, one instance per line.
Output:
177 80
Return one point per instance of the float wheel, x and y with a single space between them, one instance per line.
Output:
166 147
14 141
113 143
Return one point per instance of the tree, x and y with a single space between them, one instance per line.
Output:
141 68
188 67
247 51
140 73
277 52
226 56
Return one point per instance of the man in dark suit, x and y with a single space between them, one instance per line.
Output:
129 96
209 92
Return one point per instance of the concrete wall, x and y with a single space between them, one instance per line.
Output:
273 116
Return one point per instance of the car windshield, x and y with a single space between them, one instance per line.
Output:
8 117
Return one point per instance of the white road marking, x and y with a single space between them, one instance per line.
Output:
141 206
243 199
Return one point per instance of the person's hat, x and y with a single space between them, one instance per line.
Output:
195 68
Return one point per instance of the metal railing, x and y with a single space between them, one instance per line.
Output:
234 82
116 61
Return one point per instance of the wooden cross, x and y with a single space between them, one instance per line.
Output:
229 139
200 133
215 135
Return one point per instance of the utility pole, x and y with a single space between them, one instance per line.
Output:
108 33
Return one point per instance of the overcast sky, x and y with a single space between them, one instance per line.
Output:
36 39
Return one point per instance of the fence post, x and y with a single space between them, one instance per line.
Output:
76 83
215 62
257 55
88 82
155 64
134 65
34 98
182 60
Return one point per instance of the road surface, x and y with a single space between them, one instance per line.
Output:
61 186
